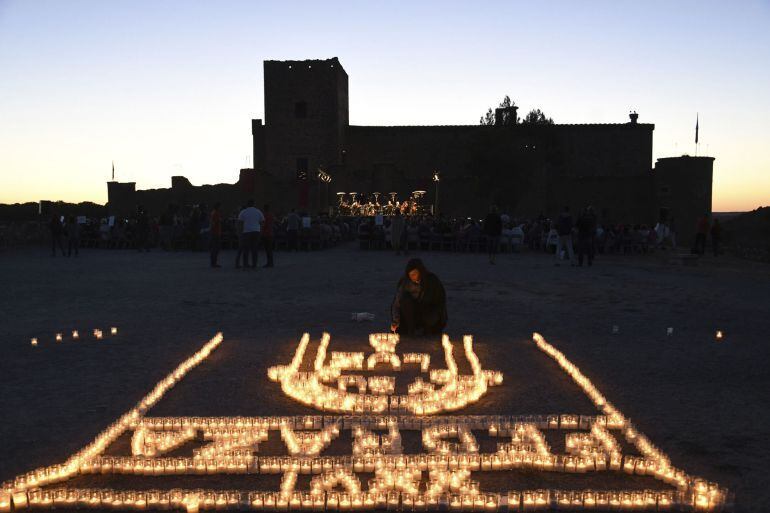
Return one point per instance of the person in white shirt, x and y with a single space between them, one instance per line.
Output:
250 219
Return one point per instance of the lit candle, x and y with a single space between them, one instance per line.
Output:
75 334
33 341
58 337
719 335
113 330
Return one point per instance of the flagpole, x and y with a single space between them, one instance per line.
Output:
696 134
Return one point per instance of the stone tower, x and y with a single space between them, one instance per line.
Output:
306 117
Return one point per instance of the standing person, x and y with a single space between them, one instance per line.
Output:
251 219
672 232
142 230
73 235
586 233
398 232
419 307
716 236
493 228
292 230
701 231
56 235
564 225
267 235
215 235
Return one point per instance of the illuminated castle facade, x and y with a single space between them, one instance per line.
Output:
524 169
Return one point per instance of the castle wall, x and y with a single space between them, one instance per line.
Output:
526 170
123 199
683 190
306 112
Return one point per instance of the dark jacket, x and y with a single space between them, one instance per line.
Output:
586 225
432 298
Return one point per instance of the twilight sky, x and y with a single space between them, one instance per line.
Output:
169 87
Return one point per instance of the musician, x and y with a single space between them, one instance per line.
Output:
419 307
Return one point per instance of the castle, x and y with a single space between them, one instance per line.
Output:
525 169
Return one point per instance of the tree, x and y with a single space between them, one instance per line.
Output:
489 117
536 117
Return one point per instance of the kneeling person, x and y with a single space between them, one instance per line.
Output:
419 307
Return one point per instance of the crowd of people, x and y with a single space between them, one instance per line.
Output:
199 228
574 238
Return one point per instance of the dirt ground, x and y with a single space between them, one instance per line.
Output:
702 401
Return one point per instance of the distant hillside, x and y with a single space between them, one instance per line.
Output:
748 234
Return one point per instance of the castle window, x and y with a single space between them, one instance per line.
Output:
300 110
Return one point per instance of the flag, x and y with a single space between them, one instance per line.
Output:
113 169
696 128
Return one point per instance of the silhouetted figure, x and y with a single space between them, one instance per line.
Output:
672 232
564 225
398 233
251 219
493 228
586 233
701 231
268 234
716 236
142 232
54 225
215 234
292 230
419 307
73 236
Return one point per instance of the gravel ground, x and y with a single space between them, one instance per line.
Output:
703 402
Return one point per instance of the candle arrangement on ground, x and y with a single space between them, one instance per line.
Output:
75 335
447 389
447 474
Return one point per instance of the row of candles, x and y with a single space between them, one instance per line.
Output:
705 496
57 473
309 387
75 335
495 423
508 457
718 334
321 499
